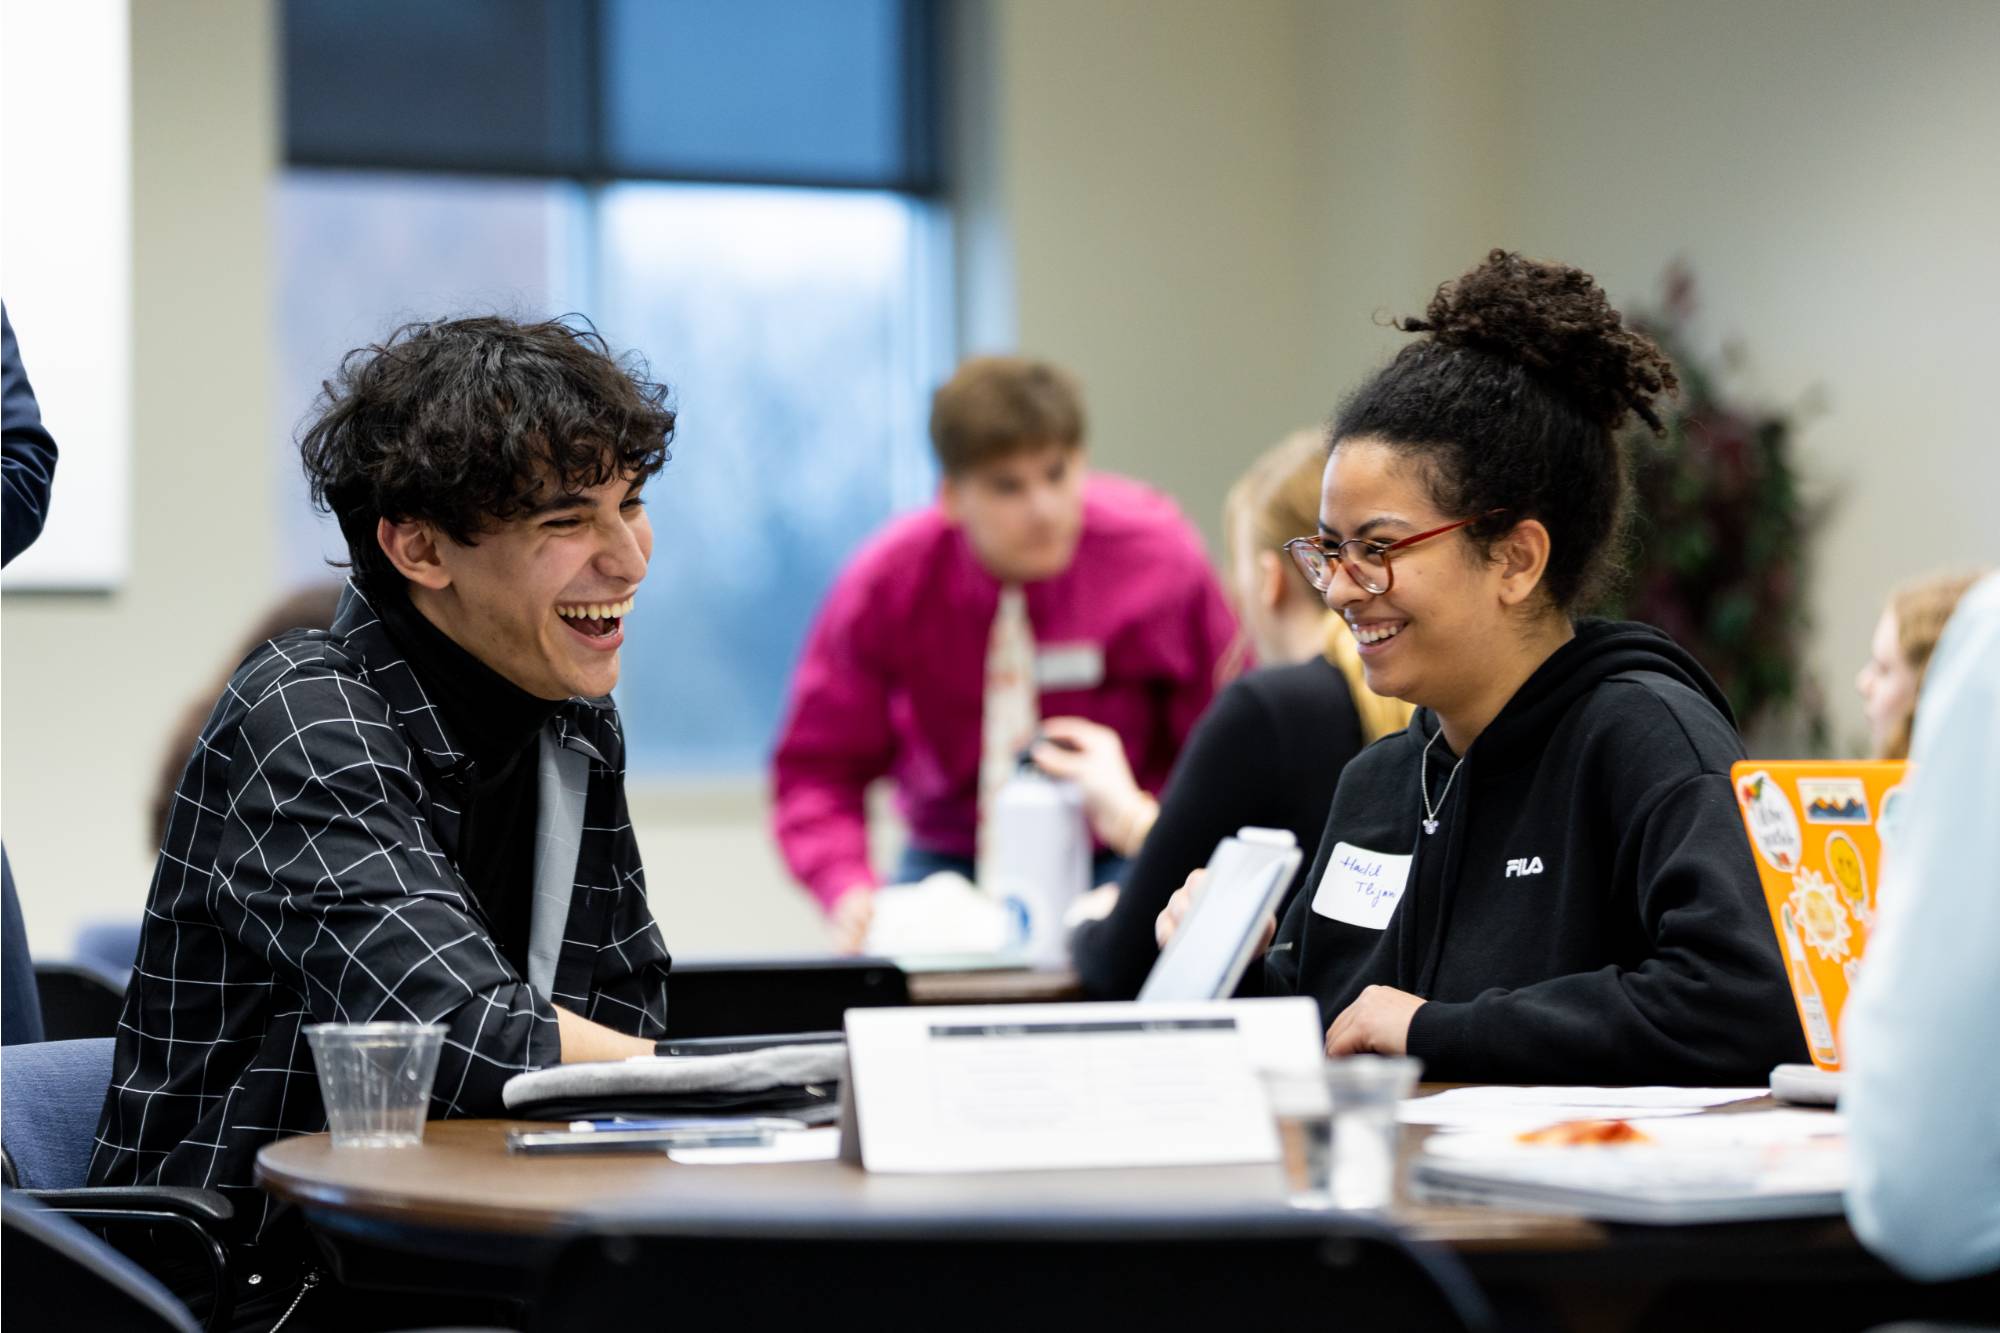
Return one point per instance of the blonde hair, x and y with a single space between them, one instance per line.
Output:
1921 607
1379 714
1277 500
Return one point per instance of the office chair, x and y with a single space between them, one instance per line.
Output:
751 998
108 948
1059 1271
60 1274
51 1094
77 1001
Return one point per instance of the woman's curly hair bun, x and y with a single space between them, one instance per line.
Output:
1556 322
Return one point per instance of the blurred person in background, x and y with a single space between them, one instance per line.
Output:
111 945
1922 1090
1031 588
1267 753
1899 653
305 608
28 452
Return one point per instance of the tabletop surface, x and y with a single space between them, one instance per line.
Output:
1004 985
462 1179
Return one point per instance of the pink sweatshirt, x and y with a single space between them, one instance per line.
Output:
891 678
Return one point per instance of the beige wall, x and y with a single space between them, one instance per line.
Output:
1152 176
1201 206
89 685
1211 204
1831 171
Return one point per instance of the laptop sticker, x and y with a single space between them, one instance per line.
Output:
1362 887
1822 920
1774 829
1834 800
1889 826
1850 875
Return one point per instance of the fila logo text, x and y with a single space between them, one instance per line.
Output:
1524 865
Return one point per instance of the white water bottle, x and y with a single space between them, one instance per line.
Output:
1038 859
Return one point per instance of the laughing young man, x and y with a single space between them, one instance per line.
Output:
1031 589
418 815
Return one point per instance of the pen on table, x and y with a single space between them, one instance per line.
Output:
757 1125
616 1137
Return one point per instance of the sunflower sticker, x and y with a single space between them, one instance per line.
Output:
1821 919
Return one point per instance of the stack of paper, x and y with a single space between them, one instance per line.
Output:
1498 1107
1781 1163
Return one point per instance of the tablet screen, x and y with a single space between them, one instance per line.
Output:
1207 955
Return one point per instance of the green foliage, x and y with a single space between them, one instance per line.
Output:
1721 535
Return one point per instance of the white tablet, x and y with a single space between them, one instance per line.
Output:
1208 954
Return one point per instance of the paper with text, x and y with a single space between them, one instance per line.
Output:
1053 1086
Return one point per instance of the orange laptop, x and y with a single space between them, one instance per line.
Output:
1816 826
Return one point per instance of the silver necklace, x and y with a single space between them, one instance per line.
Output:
1431 811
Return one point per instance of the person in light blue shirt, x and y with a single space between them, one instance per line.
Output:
1922 1097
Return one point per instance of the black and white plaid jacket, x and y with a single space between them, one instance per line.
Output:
307 876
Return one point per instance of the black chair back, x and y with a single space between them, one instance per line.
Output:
1340 1276
77 1002
747 999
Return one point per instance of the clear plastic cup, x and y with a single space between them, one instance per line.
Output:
375 1079
1338 1132
1304 1117
1365 1091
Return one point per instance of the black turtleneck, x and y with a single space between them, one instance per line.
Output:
498 725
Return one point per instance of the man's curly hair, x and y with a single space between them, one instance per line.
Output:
465 423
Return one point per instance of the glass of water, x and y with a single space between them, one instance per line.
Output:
1337 1129
375 1079
1363 1092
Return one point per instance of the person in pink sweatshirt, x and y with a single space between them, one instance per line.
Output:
1125 625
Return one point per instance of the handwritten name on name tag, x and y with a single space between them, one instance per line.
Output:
1362 887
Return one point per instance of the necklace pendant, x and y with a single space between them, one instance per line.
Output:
1430 826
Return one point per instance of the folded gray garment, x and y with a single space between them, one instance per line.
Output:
742 1071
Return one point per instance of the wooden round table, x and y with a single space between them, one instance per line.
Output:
460 1200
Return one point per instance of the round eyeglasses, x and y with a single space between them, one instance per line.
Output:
1366 562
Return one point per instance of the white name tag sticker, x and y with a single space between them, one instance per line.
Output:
1069 666
1362 887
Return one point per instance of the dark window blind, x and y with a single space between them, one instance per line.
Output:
791 92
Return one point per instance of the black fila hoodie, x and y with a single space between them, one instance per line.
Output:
1587 911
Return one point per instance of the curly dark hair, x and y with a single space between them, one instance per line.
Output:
465 423
1513 403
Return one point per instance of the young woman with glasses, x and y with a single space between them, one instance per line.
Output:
1544 877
